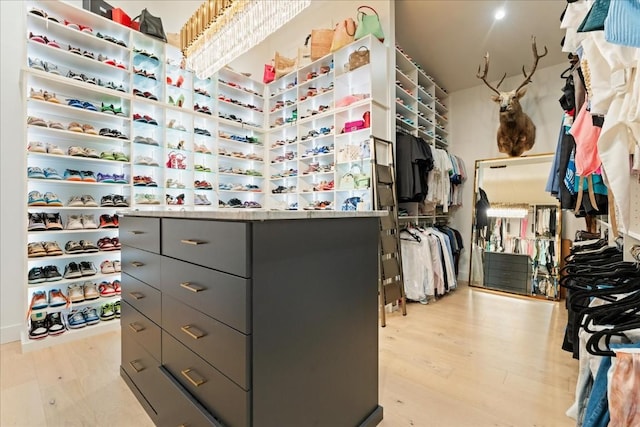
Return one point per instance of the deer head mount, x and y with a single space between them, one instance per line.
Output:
516 133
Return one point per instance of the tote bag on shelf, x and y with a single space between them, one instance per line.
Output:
368 24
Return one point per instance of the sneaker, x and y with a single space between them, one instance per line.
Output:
36 199
72 175
54 323
76 319
51 273
75 202
88 269
57 298
106 221
107 312
88 176
115 220
72 247
38 300
116 286
88 246
107 201
116 308
52 199
35 173
116 242
72 271
75 292
117 266
36 275
91 315
105 244
106 289
89 221
90 291
36 222
38 329
51 173
89 201
53 221
106 267
74 222
119 201
36 249
52 248
54 149
37 147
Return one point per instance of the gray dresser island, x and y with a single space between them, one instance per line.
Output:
251 318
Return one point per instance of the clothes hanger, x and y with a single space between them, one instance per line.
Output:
593 343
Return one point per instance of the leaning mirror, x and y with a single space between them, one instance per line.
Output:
516 227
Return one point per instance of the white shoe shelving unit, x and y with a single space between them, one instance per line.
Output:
421 104
211 143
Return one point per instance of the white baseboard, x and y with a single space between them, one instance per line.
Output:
10 333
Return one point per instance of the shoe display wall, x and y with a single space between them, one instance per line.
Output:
321 118
114 120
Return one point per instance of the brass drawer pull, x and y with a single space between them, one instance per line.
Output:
190 287
192 242
196 382
136 328
136 232
137 263
136 295
134 364
193 332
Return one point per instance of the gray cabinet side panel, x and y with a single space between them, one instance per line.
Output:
315 322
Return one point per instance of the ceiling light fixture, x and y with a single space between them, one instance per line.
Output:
500 13
222 30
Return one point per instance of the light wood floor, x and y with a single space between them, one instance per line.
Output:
470 359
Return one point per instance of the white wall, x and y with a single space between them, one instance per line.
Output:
474 122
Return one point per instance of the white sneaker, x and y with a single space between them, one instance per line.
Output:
106 267
74 222
37 147
75 292
54 149
89 201
117 266
89 221
75 201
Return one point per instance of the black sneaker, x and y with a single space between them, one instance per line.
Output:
53 221
72 271
36 222
119 201
38 329
107 200
51 273
54 323
87 268
36 275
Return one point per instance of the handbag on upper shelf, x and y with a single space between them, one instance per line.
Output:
151 25
369 24
343 34
358 58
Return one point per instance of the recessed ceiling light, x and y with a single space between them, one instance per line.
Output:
500 13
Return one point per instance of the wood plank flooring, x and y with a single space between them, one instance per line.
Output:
472 358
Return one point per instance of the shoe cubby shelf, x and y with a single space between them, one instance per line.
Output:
96 278
78 305
69 335
66 256
420 105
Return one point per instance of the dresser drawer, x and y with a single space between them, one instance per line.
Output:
218 394
142 265
179 408
142 370
224 348
143 297
224 297
139 328
220 245
141 233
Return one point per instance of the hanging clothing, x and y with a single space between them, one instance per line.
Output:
413 163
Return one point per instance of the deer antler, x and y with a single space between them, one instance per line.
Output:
537 57
483 76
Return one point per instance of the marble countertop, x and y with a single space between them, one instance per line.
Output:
251 215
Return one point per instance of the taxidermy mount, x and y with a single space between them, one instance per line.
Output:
516 133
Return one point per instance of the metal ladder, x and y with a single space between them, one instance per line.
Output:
390 277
